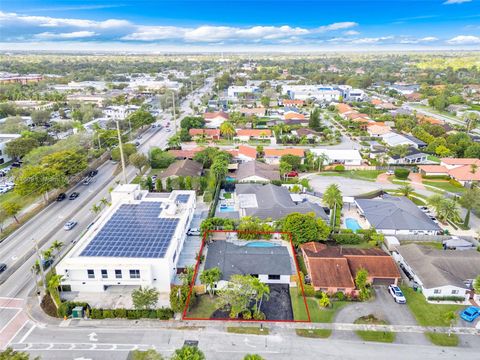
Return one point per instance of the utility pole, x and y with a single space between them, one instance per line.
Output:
122 158
174 115
40 260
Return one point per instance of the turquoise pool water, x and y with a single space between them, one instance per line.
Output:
229 179
260 244
352 224
226 209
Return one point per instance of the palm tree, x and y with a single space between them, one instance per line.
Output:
448 210
104 202
53 285
56 246
471 120
96 209
262 291
406 190
227 129
451 318
174 141
333 196
322 159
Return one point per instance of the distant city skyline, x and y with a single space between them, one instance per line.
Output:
256 26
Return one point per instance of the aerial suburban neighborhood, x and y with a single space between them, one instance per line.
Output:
237 196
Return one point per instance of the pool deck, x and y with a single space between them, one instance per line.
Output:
353 214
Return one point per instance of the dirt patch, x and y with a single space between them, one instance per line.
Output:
48 306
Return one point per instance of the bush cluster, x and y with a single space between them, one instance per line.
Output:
446 298
339 168
346 238
162 314
402 173
65 308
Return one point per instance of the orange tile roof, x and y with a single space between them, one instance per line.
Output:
293 115
213 115
433 168
376 129
355 115
343 108
254 132
188 154
209 132
328 272
430 120
280 152
247 151
464 173
457 161
292 102
250 111
376 101
377 265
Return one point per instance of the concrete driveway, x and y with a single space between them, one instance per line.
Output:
349 187
383 307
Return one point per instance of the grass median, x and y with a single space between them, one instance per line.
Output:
251 330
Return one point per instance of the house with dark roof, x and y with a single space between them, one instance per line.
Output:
440 272
256 171
413 156
183 168
272 265
272 202
333 268
393 215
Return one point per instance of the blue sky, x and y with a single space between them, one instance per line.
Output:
247 25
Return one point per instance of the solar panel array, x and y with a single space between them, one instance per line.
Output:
183 198
134 231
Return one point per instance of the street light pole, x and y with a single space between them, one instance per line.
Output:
122 158
41 264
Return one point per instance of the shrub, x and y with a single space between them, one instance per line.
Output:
258 315
207 196
454 182
347 238
164 313
447 298
339 168
65 308
96 314
319 294
308 290
107 314
246 315
340 296
402 174
120 313
133 314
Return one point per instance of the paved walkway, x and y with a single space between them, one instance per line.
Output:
13 318
416 181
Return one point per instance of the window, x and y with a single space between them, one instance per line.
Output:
118 274
273 277
454 292
254 275
341 290
437 291
134 274
104 274
91 274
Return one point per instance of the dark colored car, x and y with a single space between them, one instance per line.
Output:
16 164
93 173
73 195
61 197
3 267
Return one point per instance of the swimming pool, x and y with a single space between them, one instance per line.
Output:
260 244
226 209
352 224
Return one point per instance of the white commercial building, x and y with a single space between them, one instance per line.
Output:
323 93
351 94
234 91
4 139
119 112
346 157
136 242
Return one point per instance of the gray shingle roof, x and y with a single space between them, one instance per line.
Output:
256 168
395 213
245 260
185 167
441 267
275 202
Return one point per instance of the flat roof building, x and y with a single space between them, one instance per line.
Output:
136 242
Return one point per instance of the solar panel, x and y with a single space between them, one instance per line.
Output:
183 198
134 231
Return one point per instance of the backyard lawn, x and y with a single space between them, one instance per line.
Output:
204 307
445 185
367 175
317 314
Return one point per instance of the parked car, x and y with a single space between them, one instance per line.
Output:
3 267
73 195
87 181
470 313
61 197
137 143
390 172
16 164
46 263
292 174
69 225
194 232
397 294
92 173
168 130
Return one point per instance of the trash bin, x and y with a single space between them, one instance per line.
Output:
77 312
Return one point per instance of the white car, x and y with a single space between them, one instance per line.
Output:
390 172
69 225
194 232
397 294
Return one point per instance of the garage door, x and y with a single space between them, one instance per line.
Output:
383 281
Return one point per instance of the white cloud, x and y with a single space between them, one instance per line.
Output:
428 39
464 40
336 26
371 40
351 33
449 2
70 35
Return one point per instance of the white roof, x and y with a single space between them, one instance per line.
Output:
394 139
338 154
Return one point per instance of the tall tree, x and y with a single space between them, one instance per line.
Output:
314 121
262 291
362 285
188 353
12 209
39 180
145 298
333 196
139 161
209 277
18 148
406 190
227 129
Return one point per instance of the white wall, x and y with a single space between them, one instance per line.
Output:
446 291
254 179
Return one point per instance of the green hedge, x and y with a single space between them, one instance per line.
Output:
402 174
65 308
339 168
447 298
133 314
345 239
436 177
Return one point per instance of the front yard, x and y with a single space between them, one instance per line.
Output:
367 175
444 185
370 335
317 314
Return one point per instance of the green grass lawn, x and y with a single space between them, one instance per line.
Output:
252 330
366 175
227 195
425 313
314 333
317 314
204 307
445 185
433 158
442 339
371 335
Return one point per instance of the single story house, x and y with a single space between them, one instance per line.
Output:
391 215
272 265
394 139
212 134
273 155
346 157
440 272
272 202
377 129
183 168
414 156
255 171
308 133
243 153
465 171
292 102
185 153
333 268
258 111
215 119
247 134
293 116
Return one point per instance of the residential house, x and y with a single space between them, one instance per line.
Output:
344 157
440 272
185 153
255 171
215 119
272 202
322 93
395 139
391 215
292 102
293 116
234 92
333 269
376 129
258 111
308 133
182 168
465 171
271 265
209 134
244 153
273 155
253 134
413 156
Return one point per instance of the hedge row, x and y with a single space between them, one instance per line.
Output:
346 238
162 314
447 298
